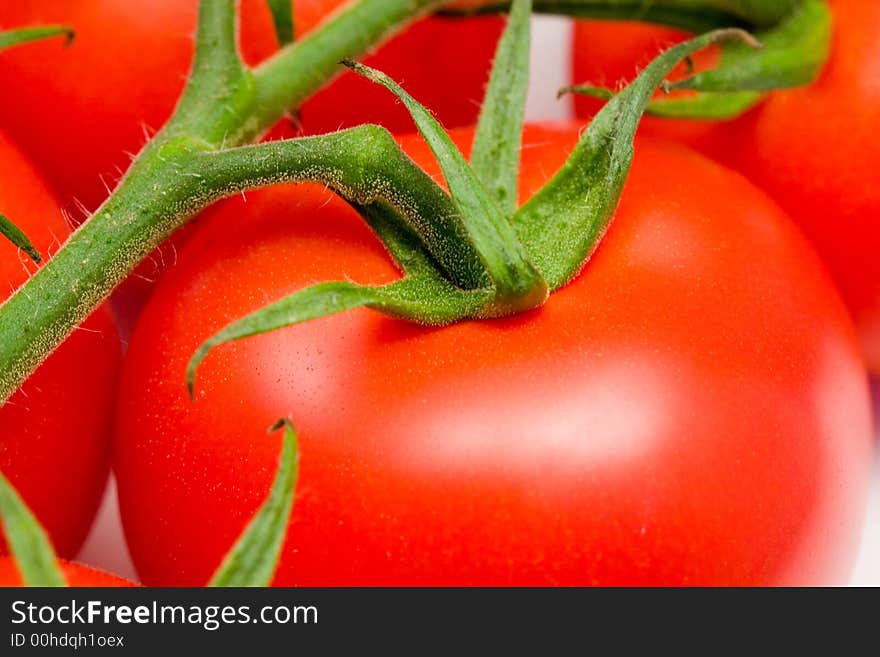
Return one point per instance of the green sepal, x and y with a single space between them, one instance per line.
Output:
691 15
563 223
17 37
498 138
15 235
424 296
518 285
253 559
420 299
706 106
586 89
792 53
27 540
282 18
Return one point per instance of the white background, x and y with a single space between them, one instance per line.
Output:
105 547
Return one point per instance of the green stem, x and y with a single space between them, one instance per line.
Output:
171 182
220 92
363 165
158 194
690 15
518 286
59 296
303 67
795 36
180 171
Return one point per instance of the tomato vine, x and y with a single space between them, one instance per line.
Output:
199 156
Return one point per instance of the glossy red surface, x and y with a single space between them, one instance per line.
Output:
692 409
55 431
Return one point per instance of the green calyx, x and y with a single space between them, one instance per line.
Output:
282 17
516 285
466 253
521 253
225 105
459 252
691 15
795 38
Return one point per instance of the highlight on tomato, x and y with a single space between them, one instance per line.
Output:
691 409
815 149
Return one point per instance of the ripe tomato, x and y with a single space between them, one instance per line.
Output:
76 575
443 62
55 431
815 149
80 110
690 410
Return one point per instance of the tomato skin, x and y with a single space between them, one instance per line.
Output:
55 432
76 575
815 149
80 110
690 410
443 62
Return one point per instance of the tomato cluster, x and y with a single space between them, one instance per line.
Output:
117 97
691 409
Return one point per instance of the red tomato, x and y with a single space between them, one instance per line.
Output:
55 431
443 62
690 410
816 149
80 110
76 575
